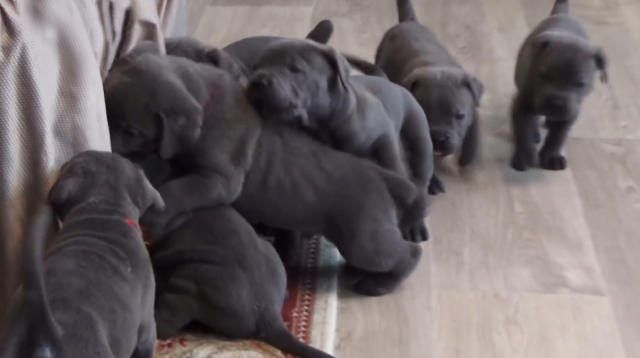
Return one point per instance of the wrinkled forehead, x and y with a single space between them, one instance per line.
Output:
567 60
290 54
446 93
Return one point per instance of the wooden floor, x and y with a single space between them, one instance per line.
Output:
540 264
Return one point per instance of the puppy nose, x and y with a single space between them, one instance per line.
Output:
440 136
261 80
556 102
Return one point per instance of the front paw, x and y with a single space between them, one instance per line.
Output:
522 161
552 161
416 233
436 186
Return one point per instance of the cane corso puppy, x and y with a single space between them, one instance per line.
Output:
411 55
215 270
197 116
308 85
554 73
93 294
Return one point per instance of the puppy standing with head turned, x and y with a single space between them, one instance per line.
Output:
411 55
93 294
554 73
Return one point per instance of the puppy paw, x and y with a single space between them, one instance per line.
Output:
436 186
523 161
416 233
552 161
376 284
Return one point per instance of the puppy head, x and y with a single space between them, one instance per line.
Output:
149 108
449 97
296 78
103 178
562 72
229 64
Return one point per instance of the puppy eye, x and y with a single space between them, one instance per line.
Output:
131 132
294 68
460 115
579 84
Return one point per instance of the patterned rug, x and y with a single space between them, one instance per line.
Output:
309 311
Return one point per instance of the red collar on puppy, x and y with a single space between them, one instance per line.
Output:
144 232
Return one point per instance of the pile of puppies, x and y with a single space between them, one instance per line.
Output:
269 135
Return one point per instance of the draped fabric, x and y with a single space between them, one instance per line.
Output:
53 57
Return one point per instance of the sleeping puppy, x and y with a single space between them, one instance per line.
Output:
411 55
197 116
93 294
216 271
308 85
554 73
237 58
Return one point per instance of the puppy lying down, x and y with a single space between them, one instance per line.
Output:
555 72
304 84
412 56
216 271
198 117
92 294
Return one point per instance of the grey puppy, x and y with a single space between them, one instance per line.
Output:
93 295
308 85
237 58
554 73
198 116
411 55
215 270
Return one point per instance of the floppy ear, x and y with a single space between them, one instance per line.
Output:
224 61
475 87
471 142
154 196
180 124
63 190
601 63
340 67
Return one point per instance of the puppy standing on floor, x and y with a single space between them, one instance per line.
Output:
93 294
411 55
554 73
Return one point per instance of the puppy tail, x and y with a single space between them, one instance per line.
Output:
560 7
274 332
366 67
37 335
322 32
406 11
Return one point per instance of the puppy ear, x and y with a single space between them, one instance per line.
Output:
322 32
180 125
155 199
475 87
63 190
340 67
601 63
471 142
221 59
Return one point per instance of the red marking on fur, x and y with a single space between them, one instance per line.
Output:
145 233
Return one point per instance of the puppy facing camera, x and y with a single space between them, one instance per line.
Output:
555 71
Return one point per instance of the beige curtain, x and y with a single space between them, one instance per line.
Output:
53 56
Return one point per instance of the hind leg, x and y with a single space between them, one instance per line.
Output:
175 307
146 339
384 256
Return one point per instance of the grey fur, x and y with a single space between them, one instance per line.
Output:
411 55
554 73
216 271
308 85
270 173
66 311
